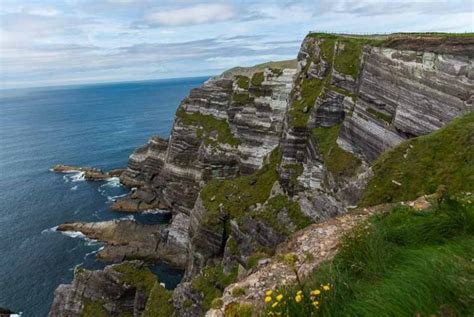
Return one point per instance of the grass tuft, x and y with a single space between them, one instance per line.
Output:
239 194
402 263
336 160
209 125
257 79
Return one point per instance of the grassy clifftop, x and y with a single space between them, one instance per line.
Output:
249 71
418 166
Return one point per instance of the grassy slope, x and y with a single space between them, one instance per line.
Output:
445 157
401 263
336 160
249 71
207 125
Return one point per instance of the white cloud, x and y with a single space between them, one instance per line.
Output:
46 12
199 14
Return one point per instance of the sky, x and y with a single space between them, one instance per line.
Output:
52 42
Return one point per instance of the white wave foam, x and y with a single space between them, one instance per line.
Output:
74 187
78 234
113 198
129 217
76 266
52 229
74 176
94 252
156 211
78 177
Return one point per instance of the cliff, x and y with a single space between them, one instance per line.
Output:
256 155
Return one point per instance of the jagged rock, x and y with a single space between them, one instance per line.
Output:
104 289
319 205
4 312
404 94
129 239
90 173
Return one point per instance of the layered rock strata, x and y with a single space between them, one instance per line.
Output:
252 160
90 173
126 239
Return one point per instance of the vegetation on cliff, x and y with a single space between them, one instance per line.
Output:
211 283
418 166
235 196
213 131
336 160
402 263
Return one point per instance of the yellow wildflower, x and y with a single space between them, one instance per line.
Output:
279 297
275 304
268 299
269 293
315 303
326 287
298 298
299 292
315 292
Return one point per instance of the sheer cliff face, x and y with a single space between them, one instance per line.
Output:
355 98
415 93
222 129
251 160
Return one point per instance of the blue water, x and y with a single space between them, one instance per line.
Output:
96 125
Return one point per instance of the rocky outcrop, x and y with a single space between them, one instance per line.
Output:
90 173
122 289
251 160
221 130
126 239
404 94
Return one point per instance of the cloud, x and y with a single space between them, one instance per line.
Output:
198 14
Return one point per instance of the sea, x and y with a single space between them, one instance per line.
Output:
92 125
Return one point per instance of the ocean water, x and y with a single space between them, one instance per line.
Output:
95 125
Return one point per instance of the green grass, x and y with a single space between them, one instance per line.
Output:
296 171
93 308
383 116
310 90
238 194
402 263
159 302
336 160
277 72
278 203
249 71
242 98
347 60
141 278
257 79
444 157
327 49
242 81
208 125
211 283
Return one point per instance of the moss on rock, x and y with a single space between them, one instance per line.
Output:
207 125
420 165
336 160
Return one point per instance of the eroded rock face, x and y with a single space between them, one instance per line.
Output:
404 94
171 171
125 239
226 128
103 289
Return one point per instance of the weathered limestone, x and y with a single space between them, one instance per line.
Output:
90 173
404 94
125 239
101 289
